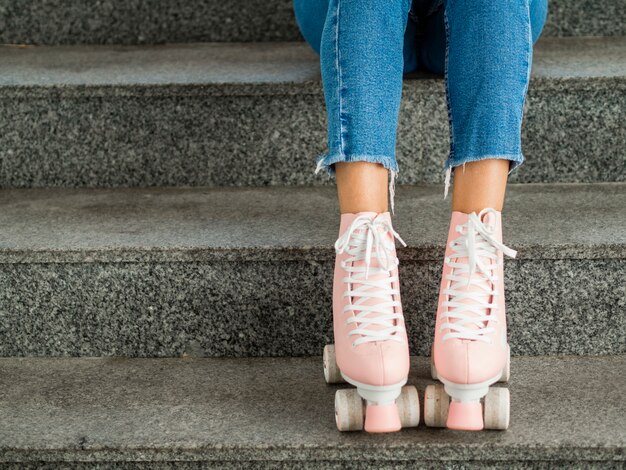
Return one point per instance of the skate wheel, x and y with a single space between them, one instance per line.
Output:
433 369
409 407
436 404
332 374
349 410
497 408
506 372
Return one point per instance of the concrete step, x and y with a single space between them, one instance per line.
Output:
248 272
253 114
566 412
141 22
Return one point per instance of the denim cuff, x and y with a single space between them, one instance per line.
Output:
326 161
515 159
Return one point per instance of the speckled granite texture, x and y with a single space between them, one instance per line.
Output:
237 309
323 465
253 114
280 411
586 18
154 21
231 272
146 21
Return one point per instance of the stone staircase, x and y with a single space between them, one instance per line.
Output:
166 250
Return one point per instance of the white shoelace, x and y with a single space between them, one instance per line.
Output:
475 243
364 240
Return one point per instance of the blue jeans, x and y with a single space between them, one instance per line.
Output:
483 47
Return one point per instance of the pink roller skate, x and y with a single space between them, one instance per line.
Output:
470 351
371 349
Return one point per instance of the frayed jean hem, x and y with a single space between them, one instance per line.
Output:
327 162
515 159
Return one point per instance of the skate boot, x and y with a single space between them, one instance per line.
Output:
470 351
371 349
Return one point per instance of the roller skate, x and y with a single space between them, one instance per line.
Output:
470 351
371 348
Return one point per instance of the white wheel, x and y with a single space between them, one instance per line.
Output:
349 413
436 404
332 374
433 369
506 372
409 407
497 408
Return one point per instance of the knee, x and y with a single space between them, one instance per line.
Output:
310 17
538 15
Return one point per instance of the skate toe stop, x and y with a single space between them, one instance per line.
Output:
465 416
382 418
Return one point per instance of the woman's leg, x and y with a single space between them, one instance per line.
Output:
488 71
488 110
361 187
363 58
480 184
487 57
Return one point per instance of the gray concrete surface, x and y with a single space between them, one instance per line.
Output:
145 22
543 221
280 411
253 114
241 272
284 63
